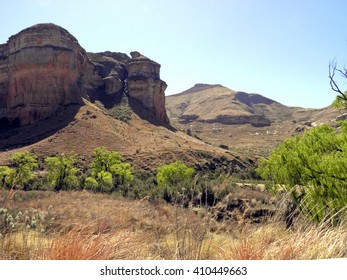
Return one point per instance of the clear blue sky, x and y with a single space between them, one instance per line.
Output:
280 48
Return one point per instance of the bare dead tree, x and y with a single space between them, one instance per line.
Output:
333 84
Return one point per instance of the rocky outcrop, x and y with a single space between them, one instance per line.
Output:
110 68
145 85
43 69
254 120
252 99
138 77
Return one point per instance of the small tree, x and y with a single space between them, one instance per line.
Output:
312 168
174 180
62 171
5 173
341 98
108 171
20 171
24 164
174 173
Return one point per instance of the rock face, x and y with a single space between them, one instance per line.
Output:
144 84
43 69
254 120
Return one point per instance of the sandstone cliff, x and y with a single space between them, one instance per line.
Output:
43 69
144 84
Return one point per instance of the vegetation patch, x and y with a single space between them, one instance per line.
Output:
120 111
311 168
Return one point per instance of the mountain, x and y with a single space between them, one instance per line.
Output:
241 121
56 98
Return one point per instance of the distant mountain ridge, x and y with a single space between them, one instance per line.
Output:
216 103
212 102
240 116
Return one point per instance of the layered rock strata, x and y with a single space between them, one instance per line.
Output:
43 69
145 85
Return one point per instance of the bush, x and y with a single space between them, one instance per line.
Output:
62 172
5 175
175 179
21 171
312 168
108 171
141 188
174 173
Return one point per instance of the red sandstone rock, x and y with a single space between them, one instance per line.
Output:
145 85
43 69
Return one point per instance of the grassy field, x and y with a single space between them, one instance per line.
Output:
82 226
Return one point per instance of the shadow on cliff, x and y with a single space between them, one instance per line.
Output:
107 100
110 101
12 137
144 114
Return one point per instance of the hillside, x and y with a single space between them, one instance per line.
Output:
57 98
82 129
248 123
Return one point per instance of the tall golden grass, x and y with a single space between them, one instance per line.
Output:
93 226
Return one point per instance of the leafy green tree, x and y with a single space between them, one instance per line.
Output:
175 180
174 173
312 168
341 101
5 173
91 184
62 172
122 173
20 171
108 171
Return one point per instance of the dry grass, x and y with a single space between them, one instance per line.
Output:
94 226
75 245
274 242
24 245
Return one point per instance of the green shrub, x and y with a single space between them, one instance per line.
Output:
62 172
175 180
91 184
141 188
108 171
5 175
21 171
174 173
312 168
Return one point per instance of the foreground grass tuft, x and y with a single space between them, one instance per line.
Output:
87 226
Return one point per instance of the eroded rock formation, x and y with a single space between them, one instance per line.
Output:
43 69
145 85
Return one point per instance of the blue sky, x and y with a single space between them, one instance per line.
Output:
280 49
